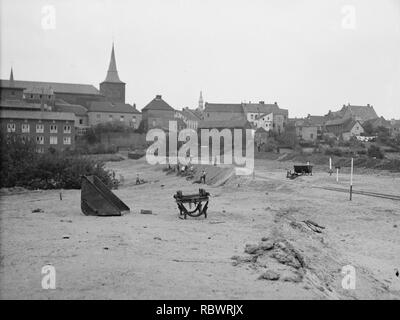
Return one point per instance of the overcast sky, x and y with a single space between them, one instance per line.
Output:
308 55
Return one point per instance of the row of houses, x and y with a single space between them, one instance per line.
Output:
53 114
349 121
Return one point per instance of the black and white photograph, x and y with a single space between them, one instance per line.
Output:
200 150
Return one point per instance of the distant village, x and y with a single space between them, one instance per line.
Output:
55 115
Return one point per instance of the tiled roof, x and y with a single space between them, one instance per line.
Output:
18 104
39 115
379 122
224 107
106 106
56 86
350 124
74 108
347 124
260 108
190 115
158 104
363 112
224 124
336 122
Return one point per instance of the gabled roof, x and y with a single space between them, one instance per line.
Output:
224 107
106 106
346 124
364 113
56 86
232 124
158 104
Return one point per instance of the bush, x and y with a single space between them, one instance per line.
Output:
22 166
334 152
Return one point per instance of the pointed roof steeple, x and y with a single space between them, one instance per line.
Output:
11 75
112 73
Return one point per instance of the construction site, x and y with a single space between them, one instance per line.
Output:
258 236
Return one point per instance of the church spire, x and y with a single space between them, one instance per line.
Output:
112 73
201 102
11 75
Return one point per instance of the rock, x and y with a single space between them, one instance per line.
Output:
269 275
65 237
37 210
251 248
264 239
142 211
286 259
157 238
395 226
266 245
289 276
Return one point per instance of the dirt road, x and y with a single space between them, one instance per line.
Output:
159 256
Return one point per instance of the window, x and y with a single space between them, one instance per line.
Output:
53 128
10 127
67 128
67 140
110 117
80 121
13 93
31 96
53 139
121 118
40 140
25 128
311 136
39 128
154 123
40 150
133 118
252 116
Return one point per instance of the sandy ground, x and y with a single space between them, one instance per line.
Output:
160 256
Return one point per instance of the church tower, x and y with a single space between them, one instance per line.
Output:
201 102
112 87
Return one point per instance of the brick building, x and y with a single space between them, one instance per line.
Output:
46 128
157 114
89 105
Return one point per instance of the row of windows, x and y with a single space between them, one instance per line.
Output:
111 117
25 128
53 140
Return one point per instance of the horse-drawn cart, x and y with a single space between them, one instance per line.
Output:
300 170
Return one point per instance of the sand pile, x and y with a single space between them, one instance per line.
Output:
275 259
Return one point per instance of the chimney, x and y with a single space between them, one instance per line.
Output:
158 97
261 102
275 103
368 105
